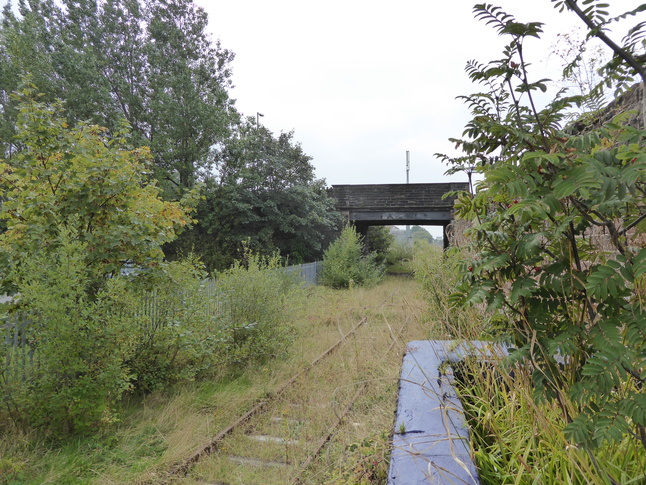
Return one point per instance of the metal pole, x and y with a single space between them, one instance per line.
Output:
470 169
407 181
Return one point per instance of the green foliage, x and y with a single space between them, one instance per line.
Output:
437 272
399 257
534 449
557 243
367 462
625 64
189 109
151 63
345 265
379 241
177 319
77 208
12 471
420 234
92 185
265 198
80 346
255 290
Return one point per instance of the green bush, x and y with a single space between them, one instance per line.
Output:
437 272
515 438
379 241
519 440
345 265
78 373
77 204
174 314
140 332
399 257
255 291
557 240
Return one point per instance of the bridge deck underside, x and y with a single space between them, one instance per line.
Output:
397 204
390 217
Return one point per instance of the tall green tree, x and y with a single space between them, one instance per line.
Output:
25 46
151 63
264 197
420 234
77 207
91 184
379 241
190 110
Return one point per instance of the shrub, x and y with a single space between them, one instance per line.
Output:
379 242
174 314
87 352
255 291
534 449
86 181
558 237
514 437
345 265
437 272
80 345
399 257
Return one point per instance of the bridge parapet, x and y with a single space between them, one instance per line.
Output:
395 197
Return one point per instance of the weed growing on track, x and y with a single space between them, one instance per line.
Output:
358 453
394 313
166 427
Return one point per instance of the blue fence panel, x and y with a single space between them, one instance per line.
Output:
310 272
16 335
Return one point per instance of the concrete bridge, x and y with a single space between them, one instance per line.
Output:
396 204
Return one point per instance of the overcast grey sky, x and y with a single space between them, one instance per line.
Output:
362 81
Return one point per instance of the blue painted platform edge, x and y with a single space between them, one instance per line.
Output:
431 439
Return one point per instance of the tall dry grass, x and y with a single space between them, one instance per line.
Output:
517 437
369 360
165 427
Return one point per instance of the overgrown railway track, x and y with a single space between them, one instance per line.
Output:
273 442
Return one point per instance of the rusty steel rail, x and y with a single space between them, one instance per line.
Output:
327 437
182 468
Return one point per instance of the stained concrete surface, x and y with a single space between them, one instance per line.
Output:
431 439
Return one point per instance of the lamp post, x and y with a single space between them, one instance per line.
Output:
258 115
408 236
469 170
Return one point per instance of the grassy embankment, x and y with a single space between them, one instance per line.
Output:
164 428
519 440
